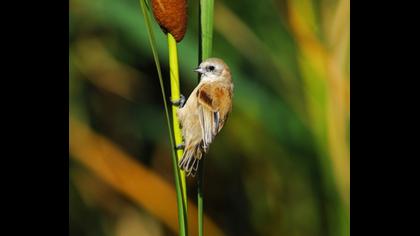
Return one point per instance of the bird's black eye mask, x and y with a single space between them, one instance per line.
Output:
210 68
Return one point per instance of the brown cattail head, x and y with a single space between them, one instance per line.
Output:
171 16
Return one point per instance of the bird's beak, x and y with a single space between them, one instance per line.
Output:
199 70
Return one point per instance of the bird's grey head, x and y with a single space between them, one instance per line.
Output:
213 69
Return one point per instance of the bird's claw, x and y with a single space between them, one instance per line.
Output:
180 146
180 102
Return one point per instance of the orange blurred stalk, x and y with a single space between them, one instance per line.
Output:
140 184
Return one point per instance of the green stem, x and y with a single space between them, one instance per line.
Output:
206 28
205 48
175 95
200 196
182 218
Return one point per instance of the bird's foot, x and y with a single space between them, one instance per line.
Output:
180 102
180 146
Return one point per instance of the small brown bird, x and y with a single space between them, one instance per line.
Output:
205 112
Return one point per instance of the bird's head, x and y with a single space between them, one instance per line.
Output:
214 69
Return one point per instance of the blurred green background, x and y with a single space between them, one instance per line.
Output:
280 166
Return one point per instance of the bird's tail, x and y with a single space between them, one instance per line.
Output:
190 159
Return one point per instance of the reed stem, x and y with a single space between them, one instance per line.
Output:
206 9
175 95
181 200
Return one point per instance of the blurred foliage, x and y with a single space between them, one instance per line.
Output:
281 164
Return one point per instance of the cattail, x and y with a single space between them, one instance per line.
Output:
171 16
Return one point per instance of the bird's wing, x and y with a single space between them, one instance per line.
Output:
214 103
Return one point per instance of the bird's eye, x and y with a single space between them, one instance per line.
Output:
210 68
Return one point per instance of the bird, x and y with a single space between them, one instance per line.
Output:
204 113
